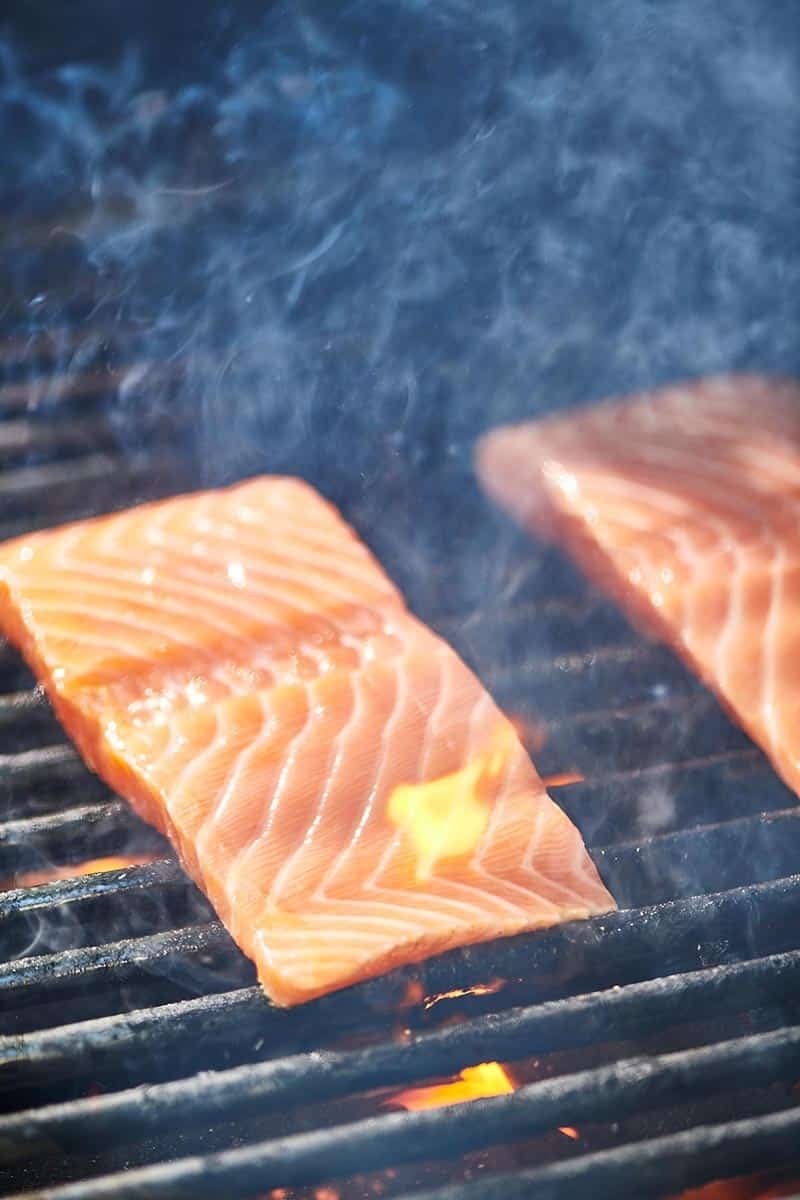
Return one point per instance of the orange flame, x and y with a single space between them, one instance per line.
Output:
477 989
564 779
446 817
91 866
569 1131
746 1187
487 1079
319 1193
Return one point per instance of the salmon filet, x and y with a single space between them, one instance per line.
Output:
335 779
685 504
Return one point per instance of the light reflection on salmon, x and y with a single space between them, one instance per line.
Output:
685 504
239 667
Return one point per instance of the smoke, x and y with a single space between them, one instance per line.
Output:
345 238
370 229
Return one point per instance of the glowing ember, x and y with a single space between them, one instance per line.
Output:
569 1131
564 779
487 1079
478 989
91 866
447 817
414 993
746 1187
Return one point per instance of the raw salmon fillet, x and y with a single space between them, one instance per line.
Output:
239 667
685 504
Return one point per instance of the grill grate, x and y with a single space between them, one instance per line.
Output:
132 1035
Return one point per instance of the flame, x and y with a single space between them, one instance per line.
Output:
92 866
477 989
112 862
569 1131
564 779
487 1079
282 1193
320 1193
446 817
746 1187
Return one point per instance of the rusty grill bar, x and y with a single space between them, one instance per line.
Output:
671 1029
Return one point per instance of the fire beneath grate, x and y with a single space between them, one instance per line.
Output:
634 1054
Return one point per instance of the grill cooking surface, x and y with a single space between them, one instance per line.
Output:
138 1059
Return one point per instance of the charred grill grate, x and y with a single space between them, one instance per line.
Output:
138 1059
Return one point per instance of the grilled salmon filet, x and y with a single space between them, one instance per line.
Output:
684 503
339 784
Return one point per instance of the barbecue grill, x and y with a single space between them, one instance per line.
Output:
139 1058
653 1049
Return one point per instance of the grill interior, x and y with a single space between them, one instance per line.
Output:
138 1058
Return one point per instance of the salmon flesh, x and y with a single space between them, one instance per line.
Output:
685 504
238 666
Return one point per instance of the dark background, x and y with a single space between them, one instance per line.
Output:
364 232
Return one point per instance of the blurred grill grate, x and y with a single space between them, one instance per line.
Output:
272 1086
681 1010
651 1169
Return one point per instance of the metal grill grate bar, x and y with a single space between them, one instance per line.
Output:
47 346
163 873
626 1087
656 1167
678 795
576 624
37 980
76 473
32 767
169 1034
82 387
605 947
85 831
623 948
710 858
581 1021
84 487
21 707
647 733
584 679
96 908
26 721
26 441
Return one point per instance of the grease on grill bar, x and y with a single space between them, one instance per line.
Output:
92 866
665 1036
